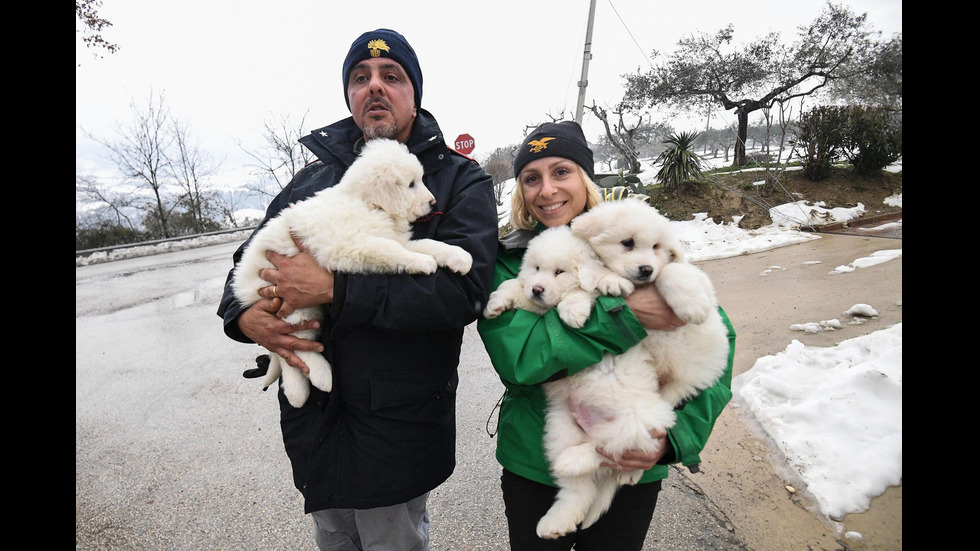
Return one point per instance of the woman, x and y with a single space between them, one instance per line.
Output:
554 173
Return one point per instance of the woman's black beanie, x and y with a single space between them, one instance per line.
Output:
556 139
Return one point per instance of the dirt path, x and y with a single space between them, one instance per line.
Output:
741 474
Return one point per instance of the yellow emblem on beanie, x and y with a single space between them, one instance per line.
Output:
538 145
375 47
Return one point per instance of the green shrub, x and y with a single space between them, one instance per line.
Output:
819 138
679 163
106 234
873 139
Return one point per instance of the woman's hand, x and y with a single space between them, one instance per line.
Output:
637 460
652 310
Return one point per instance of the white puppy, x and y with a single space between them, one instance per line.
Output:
360 225
635 241
559 271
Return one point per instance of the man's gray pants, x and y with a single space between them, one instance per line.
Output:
402 527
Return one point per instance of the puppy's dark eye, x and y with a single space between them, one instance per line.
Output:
629 244
411 184
559 271
656 246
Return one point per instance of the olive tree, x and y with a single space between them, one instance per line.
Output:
708 70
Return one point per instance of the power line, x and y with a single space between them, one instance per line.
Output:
642 52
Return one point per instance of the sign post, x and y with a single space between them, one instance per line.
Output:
465 144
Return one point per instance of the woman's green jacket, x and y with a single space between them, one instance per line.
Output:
527 350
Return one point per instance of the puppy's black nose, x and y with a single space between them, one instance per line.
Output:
537 290
645 271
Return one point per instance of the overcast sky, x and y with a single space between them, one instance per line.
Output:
489 67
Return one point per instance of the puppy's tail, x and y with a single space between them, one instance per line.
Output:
275 369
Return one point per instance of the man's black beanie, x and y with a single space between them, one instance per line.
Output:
556 139
384 43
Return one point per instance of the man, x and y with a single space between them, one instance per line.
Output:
366 454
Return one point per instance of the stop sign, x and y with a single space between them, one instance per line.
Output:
465 144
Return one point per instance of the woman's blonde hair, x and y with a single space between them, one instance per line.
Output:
522 219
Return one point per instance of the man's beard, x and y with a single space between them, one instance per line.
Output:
388 131
379 129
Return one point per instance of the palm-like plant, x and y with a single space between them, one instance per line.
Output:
679 163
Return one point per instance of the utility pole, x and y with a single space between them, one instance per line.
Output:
582 84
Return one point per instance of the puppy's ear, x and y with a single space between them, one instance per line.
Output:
585 225
384 188
676 251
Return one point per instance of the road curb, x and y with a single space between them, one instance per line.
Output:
858 222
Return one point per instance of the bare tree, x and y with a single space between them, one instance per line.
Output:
190 166
622 135
117 204
140 156
281 157
776 167
500 166
229 207
156 154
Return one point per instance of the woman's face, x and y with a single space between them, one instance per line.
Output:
554 191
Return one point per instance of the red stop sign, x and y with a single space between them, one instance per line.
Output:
465 144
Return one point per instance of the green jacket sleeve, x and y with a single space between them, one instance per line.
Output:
697 417
528 349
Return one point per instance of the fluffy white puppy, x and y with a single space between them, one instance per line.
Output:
559 271
635 241
360 225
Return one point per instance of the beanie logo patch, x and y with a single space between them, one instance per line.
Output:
375 47
538 145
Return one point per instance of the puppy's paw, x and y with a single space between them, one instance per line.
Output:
502 299
628 478
574 313
576 461
688 291
322 379
575 308
494 308
459 261
616 285
297 391
420 264
321 373
556 523
694 310
499 301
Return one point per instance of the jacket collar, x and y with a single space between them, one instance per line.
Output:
518 239
343 139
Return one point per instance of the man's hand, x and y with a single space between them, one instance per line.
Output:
259 323
298 280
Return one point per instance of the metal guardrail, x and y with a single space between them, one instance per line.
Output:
86 252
